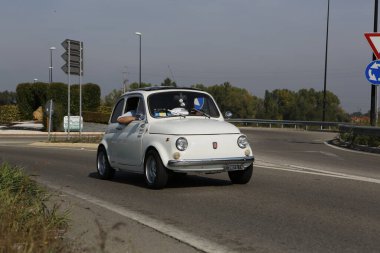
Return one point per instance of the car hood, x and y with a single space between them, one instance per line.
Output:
186 126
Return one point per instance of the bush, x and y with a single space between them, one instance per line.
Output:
91 97
96 117
58 93
104 109
359 139
30 97
27 224
9 113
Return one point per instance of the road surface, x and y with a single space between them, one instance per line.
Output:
305 196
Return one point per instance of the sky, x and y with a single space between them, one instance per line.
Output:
253 44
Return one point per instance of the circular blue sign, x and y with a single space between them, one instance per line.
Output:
372 72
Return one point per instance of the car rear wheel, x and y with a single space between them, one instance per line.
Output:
105 171
156 175
241 176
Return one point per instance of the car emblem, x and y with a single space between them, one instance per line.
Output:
215 145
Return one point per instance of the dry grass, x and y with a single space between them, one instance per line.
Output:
75 138
26 223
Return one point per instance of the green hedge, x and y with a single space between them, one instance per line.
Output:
9 113
32 95
358 139
96 117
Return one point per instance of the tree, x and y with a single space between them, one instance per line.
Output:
237 100
305 104
135 86
112 97
169 82
7 97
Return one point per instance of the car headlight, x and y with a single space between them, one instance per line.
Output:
181 144
242 141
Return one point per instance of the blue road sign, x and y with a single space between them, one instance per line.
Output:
372 72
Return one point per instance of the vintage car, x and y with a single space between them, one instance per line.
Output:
175 131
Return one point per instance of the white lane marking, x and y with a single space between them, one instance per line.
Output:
350 150
312 171
166 229
323 153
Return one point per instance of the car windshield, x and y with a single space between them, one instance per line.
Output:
181 103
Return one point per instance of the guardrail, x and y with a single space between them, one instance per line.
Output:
282 123
361 130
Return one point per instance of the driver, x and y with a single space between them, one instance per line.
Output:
127 117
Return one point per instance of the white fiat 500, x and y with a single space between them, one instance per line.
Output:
175 131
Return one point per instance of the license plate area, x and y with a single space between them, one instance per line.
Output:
233 167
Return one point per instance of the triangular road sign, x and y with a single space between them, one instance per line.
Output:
374 42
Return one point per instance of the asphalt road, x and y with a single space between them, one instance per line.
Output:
305 196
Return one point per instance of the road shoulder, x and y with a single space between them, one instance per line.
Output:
95 229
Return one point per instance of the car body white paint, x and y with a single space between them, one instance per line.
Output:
127 145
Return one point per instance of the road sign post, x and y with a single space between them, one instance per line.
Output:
74 66
372 69
49 109
374 42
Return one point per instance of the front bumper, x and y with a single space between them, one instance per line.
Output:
212 164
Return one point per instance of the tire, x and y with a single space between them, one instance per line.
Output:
241 176
177 175
105 171
156 175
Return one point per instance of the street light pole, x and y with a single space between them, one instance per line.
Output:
139 34
325 77
51 65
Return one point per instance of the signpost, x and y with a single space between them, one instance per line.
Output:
374 41
372 72
74 66
73 57
75 123
49 109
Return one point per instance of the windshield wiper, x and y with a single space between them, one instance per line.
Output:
203 113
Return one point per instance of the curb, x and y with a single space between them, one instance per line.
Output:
66 145
39 133
355 147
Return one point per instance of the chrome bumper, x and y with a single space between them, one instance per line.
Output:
241 161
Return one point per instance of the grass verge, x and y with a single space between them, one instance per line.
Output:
26 223
77 139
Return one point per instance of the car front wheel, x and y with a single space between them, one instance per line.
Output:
156 175
105 171
241 176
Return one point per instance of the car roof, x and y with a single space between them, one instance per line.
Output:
155 88
148 90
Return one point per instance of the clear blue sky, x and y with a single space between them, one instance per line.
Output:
254 44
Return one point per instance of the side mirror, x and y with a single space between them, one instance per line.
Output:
228 114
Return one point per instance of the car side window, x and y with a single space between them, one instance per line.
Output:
132 103
135 105
117 111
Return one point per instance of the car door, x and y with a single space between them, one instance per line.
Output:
130 140
113 132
